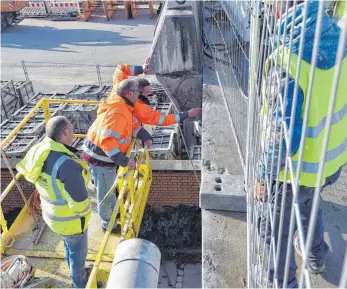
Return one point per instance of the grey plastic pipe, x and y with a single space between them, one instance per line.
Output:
136 264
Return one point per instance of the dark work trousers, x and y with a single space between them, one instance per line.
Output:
319 247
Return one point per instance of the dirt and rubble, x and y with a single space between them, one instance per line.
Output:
173 228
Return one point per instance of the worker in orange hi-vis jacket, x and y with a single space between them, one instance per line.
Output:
143 112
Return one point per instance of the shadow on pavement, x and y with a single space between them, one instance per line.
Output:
35 37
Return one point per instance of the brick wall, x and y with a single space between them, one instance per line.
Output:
169 188
173 188
14 200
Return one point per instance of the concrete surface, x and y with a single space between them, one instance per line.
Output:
175 275
178 58
222 192
219 153
166 55
176 165
224 249
97 41
334 207
59 55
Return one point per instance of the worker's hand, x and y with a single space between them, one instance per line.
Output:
145 66
194 112
259 192
148 143
131 164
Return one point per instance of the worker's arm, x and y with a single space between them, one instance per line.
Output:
123 72
272 130
146 115
70 174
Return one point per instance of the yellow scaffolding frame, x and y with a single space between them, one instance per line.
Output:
133 187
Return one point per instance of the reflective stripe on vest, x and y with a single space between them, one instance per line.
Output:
96 156
132 70
59 199
177 118
314 131
113 134
161 119
65 219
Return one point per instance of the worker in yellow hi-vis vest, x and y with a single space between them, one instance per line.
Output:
61 182
274 77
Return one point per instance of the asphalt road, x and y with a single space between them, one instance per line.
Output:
59 55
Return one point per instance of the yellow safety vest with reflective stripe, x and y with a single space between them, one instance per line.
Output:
336 155
61 213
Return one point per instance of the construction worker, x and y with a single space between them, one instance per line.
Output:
274 77
107 142
143 112
61 182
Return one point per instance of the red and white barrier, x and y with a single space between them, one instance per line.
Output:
63 7
35 8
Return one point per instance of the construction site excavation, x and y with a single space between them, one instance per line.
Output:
173 144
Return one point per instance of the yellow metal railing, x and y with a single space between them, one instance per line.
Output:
44 103
133 187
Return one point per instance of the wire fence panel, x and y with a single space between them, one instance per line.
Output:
55 77
13 72
106 73
296 142
226 41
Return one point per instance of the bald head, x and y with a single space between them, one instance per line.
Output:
128 89
59 128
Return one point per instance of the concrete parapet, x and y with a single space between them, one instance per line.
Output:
176 45
176 53
222 192
184 90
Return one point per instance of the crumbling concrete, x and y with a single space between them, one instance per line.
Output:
222 196
222 174
177 59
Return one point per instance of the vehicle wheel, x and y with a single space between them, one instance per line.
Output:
3 21
10 18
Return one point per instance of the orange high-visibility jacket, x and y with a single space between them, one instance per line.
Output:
143 111
110 135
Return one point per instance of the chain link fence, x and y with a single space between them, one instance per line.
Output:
57 77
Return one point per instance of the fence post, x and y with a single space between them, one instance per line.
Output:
99 74
25 71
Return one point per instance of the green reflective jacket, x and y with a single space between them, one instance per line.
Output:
61 213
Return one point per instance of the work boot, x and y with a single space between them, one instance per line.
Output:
315 267
116 230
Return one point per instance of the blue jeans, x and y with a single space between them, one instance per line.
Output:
319 249
104 178
76 249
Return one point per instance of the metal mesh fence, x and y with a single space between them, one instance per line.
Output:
297 137
226 41
57 77
281 68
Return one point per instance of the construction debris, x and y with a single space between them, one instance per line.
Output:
173 228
